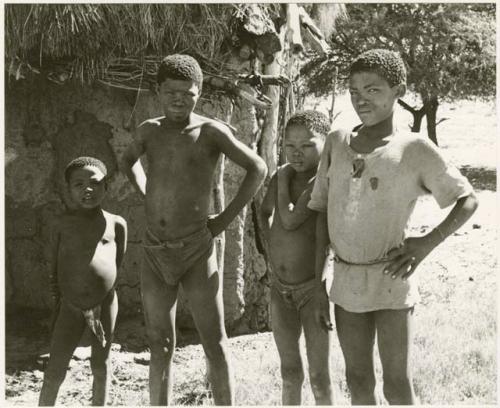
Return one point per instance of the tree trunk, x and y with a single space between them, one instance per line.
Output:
418 115
431 106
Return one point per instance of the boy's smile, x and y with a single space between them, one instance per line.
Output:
372 97
87 187
178 98
302 148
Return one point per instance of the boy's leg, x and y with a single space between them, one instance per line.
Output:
203 287
68 330
318 355
159 302
394 335
356 332
286 331
99 361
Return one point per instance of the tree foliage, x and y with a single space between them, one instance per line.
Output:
449 49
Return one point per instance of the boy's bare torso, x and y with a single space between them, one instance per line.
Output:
86 258
181 167
293 251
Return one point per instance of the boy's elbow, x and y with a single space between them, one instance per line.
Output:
259 168
472 202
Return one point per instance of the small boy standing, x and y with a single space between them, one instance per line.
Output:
183 149
292 247
367 185
87 246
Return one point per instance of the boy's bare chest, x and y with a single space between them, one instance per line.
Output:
80 237
168 150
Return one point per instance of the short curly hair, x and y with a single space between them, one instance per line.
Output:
180 66
314 121
83 161
388 64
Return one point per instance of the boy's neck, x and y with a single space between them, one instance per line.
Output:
85 213
179 125
306 175
380 130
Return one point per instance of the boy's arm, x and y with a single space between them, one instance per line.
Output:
267 206
414 250
322 309
131 165
292 216
256 171
121 240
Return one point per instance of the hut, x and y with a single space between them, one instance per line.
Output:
80 78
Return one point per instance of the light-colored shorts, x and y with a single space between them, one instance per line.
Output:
170 260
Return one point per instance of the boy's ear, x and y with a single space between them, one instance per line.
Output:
401 90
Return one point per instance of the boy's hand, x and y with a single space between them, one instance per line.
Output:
215 224
322 308
407 257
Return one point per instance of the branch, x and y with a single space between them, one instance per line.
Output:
441 120
407 107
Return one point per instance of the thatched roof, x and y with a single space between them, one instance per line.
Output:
86 40
122 44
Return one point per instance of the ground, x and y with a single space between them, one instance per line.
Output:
454 361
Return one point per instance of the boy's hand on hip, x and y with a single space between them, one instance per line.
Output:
407 257
215 224
322 308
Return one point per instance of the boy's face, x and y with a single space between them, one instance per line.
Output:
302 148
87 187
178 98
372 97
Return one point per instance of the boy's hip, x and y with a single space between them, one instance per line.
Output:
169 260
293 296
366 288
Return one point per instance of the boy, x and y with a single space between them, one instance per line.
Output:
291 240
366 189
182 149
87 248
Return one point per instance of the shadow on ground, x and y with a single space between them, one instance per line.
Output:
28 333
481 178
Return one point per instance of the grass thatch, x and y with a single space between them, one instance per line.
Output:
114 41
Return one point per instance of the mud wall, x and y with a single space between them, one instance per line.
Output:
47 125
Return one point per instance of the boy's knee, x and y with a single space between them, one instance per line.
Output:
292 372
216 350
320 380
159 343
360 381
54 376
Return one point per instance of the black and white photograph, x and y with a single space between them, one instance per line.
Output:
257 204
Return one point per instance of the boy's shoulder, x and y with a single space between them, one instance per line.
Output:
209 125
337 136
415 143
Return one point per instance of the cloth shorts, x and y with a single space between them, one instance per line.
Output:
170 260
294 296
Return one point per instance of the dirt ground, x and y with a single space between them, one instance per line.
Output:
462 268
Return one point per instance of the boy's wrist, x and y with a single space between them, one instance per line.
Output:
436 237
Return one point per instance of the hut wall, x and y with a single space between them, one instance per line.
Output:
46 125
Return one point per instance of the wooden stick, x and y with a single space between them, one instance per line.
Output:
293 28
